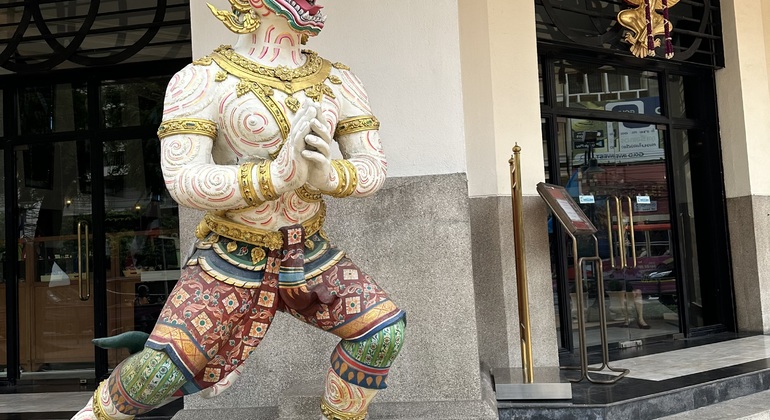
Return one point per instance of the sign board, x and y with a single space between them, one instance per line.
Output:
587 199
565 209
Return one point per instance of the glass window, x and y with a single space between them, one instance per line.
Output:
607 88
142 232
131 103
53 109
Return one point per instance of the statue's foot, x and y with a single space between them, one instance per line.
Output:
87 413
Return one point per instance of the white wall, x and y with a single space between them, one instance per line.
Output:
407 54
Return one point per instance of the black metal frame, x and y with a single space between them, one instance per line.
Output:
96 137
33 18
718 261
593 27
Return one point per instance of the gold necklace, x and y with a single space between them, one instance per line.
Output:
289 80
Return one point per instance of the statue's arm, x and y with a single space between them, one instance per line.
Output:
188 133
358 137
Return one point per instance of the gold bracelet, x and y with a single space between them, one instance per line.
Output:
309 196
265 181
348 179
96 405
332 413
246 184
187 126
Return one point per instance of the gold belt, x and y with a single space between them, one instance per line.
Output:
266 238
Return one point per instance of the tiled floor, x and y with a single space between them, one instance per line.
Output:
678 363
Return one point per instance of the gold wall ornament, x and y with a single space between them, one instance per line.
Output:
238 20
647 20
187 126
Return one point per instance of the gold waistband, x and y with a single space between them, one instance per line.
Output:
266 238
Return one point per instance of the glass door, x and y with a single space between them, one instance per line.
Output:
54 267
617 172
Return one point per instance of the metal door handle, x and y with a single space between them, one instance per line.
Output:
609 234
631 229
83 273
621 237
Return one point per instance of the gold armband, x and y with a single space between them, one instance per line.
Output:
357 125
265 181
309 196
348 179
246 184
187 126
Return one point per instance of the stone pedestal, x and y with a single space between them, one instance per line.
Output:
414 238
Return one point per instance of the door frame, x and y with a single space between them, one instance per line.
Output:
707 122
96 136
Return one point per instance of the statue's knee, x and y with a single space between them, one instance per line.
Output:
381 348
150 367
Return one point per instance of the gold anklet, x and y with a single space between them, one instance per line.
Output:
333 414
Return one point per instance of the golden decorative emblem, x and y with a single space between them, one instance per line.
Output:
340 66
257 255
317 92
187 126
646 21
292 103
357 125
221 76
335 80
203 61
309 244
232 246
243 19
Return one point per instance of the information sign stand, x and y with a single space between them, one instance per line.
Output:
577 224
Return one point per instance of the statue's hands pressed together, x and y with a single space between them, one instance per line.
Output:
317 155
291 165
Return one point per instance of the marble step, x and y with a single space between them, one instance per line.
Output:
751 407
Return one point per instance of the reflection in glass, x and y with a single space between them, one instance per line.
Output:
3 259
617 172
142 227
586 86
56 325
53 109
131 103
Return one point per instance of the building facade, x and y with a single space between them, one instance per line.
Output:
665 156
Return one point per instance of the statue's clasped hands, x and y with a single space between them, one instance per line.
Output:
308 149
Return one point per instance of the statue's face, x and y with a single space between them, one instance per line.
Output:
303 15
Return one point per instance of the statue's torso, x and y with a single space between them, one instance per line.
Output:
248 130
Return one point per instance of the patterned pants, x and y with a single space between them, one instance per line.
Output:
208 328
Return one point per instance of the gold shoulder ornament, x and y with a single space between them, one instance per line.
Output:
357 125
187 126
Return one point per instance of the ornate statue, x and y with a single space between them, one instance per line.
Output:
246 136
647 20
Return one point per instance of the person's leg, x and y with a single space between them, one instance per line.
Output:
639 306
358 370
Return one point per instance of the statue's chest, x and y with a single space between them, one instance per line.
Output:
254 119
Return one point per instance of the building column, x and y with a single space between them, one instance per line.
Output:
743 94
502 107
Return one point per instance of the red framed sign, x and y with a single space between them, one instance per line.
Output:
565 209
